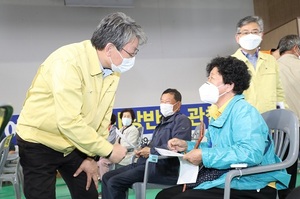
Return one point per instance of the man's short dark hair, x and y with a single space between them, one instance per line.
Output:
176 93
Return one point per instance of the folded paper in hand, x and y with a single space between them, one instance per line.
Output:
165 152
187 172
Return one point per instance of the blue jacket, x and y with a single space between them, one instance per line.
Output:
240 135
175 126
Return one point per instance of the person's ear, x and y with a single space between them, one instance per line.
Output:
229 87
237 37
295 48
178 105
108 49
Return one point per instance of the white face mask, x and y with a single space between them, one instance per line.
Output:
126 64
209 93
250 42
126 121
166 109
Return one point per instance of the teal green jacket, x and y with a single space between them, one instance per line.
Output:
240 135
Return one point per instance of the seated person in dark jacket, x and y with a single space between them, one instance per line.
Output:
173 124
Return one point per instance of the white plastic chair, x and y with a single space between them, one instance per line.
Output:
10 168
9 175
4 149
284 128
141 187
6 112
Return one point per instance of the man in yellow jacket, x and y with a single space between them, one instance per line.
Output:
265 91
64 121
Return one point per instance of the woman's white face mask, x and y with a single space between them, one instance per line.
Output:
209 93
126 121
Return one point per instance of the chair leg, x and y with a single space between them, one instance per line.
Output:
21 176
140 191
17 189
138 194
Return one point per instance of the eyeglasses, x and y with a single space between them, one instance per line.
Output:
254 32
131 54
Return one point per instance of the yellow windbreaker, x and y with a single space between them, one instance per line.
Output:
265 89
69 103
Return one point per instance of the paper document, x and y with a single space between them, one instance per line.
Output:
188 172
165 152
124 138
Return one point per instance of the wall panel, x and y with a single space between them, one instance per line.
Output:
271 38
276 12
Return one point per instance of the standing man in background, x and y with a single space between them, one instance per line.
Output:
64 121
289 67
265 91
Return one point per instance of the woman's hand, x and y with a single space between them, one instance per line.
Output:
177 145
194 156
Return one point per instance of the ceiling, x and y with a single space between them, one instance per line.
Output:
79 3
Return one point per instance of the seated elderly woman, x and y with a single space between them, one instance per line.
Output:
236 133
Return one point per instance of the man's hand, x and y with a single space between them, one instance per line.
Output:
177 145
118 153
90 167
144 152
136 152
194 156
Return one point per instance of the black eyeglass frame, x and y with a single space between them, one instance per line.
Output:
254 32
131 54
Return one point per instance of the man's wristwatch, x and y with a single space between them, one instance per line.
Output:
108 155
96 158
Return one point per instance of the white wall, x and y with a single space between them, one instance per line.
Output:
183 36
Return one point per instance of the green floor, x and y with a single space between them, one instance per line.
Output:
62 192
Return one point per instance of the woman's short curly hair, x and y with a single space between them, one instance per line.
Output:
233 71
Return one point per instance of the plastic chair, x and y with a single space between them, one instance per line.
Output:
14 175
196 133
4 149
141 187
294 194
12 171
6 112
284 128
141 135
7 175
